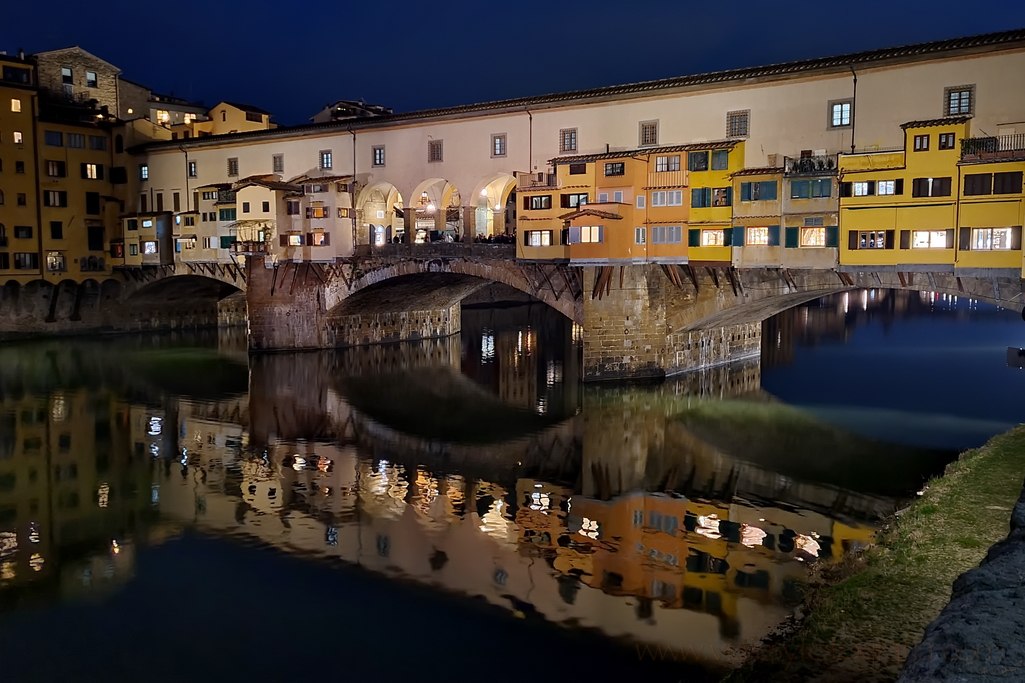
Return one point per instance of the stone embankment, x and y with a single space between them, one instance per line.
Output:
980 635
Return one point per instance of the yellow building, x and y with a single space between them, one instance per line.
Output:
991 206
711 234
19 246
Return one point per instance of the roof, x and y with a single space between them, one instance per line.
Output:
215 186
690 147
580 213
270 182
325 178
765 170
76 48
945 121
243 107
824 65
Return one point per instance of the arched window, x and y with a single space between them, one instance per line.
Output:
119 144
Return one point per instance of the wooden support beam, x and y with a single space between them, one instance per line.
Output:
903 282
76 308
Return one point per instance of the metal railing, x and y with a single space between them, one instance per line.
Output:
822 164
667 179
994 147
537 181
442 249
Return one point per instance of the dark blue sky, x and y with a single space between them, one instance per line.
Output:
291 58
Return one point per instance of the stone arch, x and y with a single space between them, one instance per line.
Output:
379 221
438 205
182 289
470 276
491 201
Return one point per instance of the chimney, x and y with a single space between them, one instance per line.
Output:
21 54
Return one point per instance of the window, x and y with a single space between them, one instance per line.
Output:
92 171
132 223
19 166
890 187
498 145
18 139
993 239
233 166
209 195
76 140
959 100
149 247
648 134
294 240
720 160
639 202
133 249
929 239
265 207
435 151
811 189
147 223
245 207
1009 182
921 143
738 123
758 191
577 169
15 104
143 172
840 113
254 116
326 159
722 196
193 169
591 234
292 207
863 188
666 234
667 198
97 143
568 140
55 261
640 235
700 198
978 183
319 239
56 198
226 215
946 141
53 138
697 161
23 232
930 187
277 163
21 199
615 168
26 261
603 197
667 163
757 236
617 196
872 239
539 238
713 238
572 201
813 237
56 169
378 155
92 203
537 202
67 77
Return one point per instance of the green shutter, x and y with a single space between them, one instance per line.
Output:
738 236
727 237
693 238
745 191
773 235
792 238
832 236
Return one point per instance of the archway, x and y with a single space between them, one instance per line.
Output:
495 206
438 211
379 211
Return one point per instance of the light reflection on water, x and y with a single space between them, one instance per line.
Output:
680 516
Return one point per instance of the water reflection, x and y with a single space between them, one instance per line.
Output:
679 516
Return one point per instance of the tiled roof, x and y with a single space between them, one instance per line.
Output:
765 170
839 63
269 182
622 154
608 215
945 121
246 107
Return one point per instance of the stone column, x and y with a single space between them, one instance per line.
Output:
469 223
439 218
409 219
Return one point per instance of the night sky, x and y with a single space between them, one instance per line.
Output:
292 58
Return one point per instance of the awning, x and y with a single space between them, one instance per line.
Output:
186 237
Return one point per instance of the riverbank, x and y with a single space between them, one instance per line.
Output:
864 615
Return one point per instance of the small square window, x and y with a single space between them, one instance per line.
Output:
15 104
568 140
738 124
959 99
378 158
435 151
841 113
233 166
921 143
498 145
278 163
648 133
946 141
90 79
326 159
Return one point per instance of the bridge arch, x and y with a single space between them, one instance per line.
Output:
182 288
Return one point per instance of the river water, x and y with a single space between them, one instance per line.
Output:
172 510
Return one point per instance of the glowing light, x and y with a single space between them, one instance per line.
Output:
487 346
751 536
708 526
8 542
155 426
33 532
484 192
58 410
846 301
7 570
114 547
36 562
103 495
589 528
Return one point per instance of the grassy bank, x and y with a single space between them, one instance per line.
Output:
868 613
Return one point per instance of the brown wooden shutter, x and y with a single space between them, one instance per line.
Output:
852 240
526 238
905 239
283 240
845 189
526 203
309 238
898 186
1016 237
966 239
327 239
889 238
871 187
950 238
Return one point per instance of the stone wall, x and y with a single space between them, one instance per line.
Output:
980 635
232 311
393 326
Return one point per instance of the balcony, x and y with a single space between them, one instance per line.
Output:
661 179
821 164
249 248
997 148
442 249
537 181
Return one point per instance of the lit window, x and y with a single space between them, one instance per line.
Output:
713 238
149 247
163 116
991 239
18 137
959 100
326 159
872 239
295 240
640 236
378 159
319 239
591 234
15 104
886 187
67 77
498 145
861 189
143 172
667 163
813 237
757 236
840 114
929 239
539 238
90 79
193 169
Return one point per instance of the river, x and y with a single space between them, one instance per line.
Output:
171 509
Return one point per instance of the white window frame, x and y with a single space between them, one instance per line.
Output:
640 235
327 159
926 239
841 113
499 147
639 201
886 187
982 239
378 156
756 236
617 196
813 236
859 188
713 238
